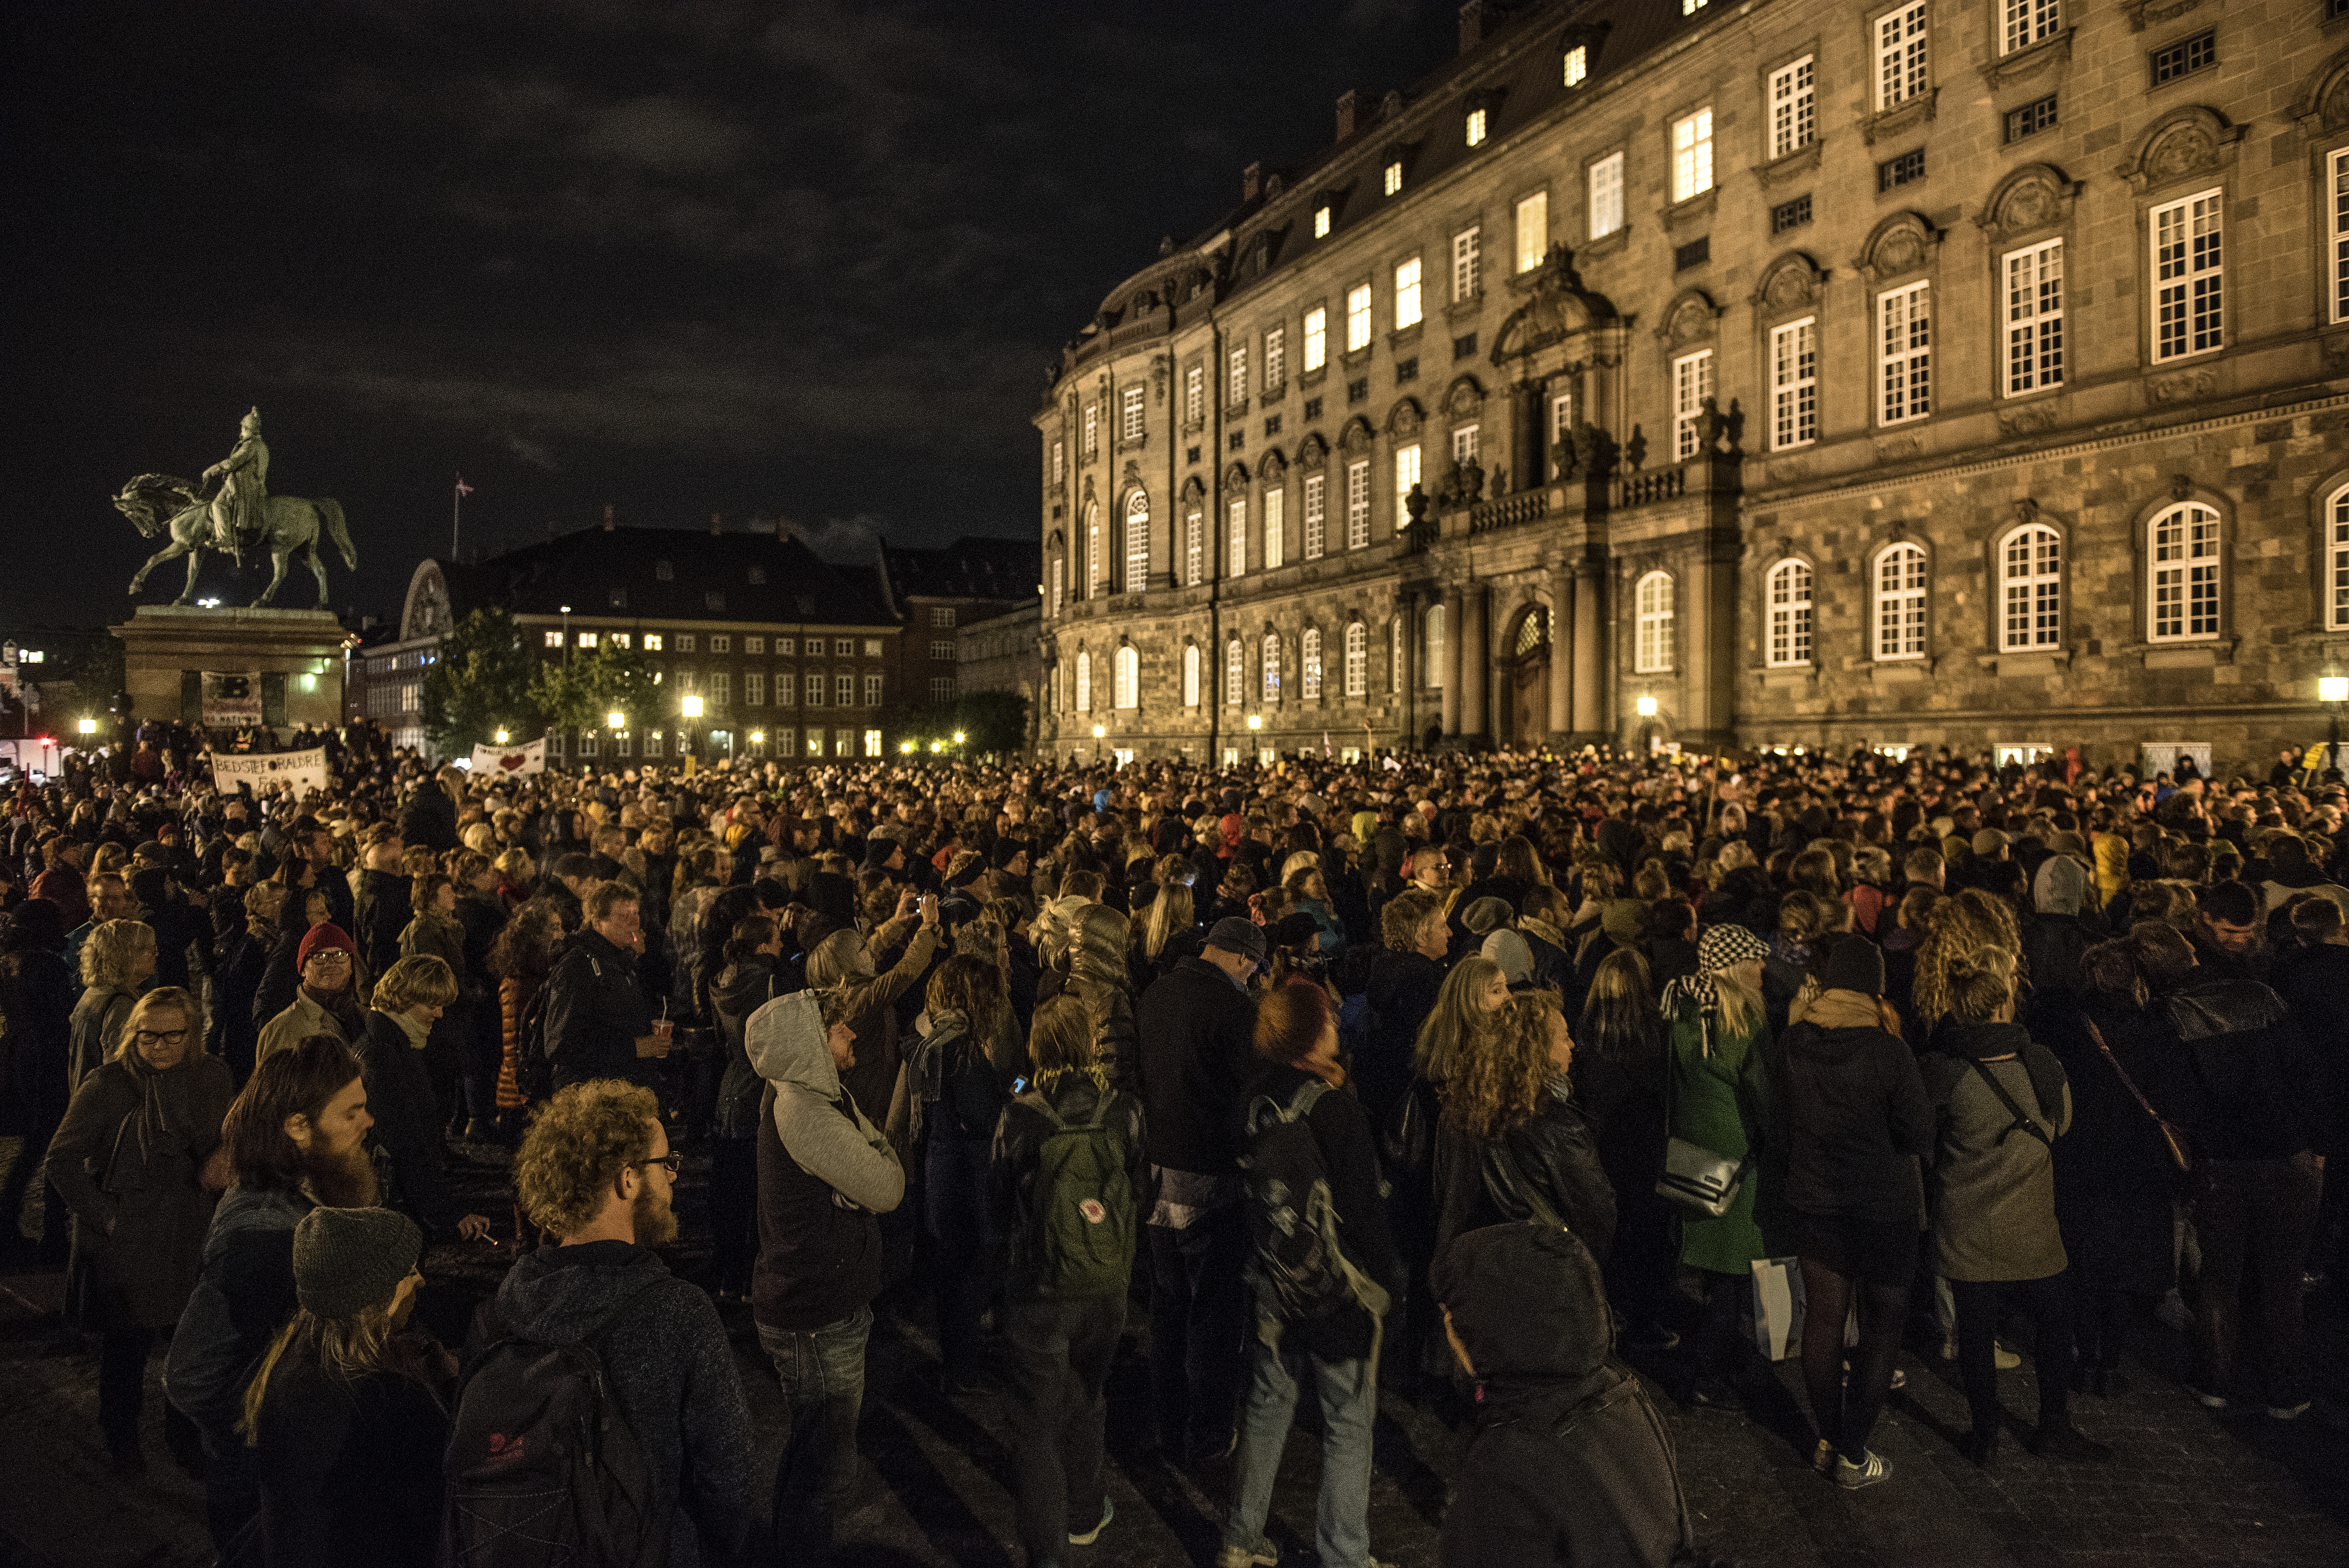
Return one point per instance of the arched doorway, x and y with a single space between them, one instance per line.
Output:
1525 679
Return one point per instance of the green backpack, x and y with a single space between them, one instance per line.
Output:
1084 1206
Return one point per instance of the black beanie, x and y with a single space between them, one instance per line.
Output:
1855 966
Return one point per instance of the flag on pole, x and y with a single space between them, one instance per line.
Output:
462 487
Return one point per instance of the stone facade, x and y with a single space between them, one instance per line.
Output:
1819 373
1000 654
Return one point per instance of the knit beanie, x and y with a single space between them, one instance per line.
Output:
1486 915
347 1260
327 936
1856 965
1513 954
1727 946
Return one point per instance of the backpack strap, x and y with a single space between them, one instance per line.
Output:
2023 1121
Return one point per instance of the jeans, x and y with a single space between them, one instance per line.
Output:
822 1374
1059 1357
1349 1402
961 1229
2254 1215
2049 1302
1198 1312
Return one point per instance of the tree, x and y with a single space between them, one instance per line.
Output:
481 682
989 721
596 682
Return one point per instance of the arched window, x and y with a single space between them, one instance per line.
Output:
2030 589
1092 550
1900 603
1194 554
2182 552
1235 674
1533 632
2336 558
1272 666
1137 544
1434 667
1309 663
1790 613
1652 645
1084 682
1126 679
1236 537
1358 658
1191 676
1394 654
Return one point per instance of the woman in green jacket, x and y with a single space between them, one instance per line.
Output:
1721 1101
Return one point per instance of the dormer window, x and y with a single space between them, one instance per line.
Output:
1476 123
1578 65
1391 181
1321 221
664 572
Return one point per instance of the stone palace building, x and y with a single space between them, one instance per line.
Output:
1792 372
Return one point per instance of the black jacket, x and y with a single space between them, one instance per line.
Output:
383 913
2314 984
407 1124
1012 1166
1475 1187
1402 991
2052 946
350 1467
1197 1061
596 1013
430 818
1857 1121
1350 1157
2264 1096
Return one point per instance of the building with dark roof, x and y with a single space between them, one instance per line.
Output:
935 592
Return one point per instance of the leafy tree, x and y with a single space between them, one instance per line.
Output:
481 682
989 721
597 681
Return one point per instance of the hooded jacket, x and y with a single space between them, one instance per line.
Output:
1856 1115
1994 1183
672 1373
740 991
825 1172
1098 978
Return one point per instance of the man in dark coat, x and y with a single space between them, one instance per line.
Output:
599 1022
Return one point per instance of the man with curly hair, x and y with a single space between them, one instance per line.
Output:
595 1171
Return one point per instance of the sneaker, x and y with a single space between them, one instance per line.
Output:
1263 1554
1852 1477
2289 1412
2206 1398
1108 1511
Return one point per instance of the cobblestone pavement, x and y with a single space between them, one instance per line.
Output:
2186 1486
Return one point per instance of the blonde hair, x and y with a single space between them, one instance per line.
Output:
108 950
1501 1079
352 1347
1960 927
418 980
173 998
575 1147
1437 1055
1739 1005
1171 915
1062 1038
1980 983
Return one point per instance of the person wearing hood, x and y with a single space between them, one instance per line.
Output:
326 1001
2054 935
129 1162
1856 1120
826 1174
596 1173
1514 955
844 963
407 1002
1571 1466
2001 1099
752 976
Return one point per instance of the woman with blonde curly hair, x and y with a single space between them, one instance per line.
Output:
1512 1145
1957 927
116 958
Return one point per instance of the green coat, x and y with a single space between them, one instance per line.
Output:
1724 1103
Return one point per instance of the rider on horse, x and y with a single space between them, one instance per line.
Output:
239 511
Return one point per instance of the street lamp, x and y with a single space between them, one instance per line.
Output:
503 737
1256 721
615 720
88 727
958 737
692 706
2333 690
1099 730
1647 707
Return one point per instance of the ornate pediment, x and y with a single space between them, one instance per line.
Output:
1558 307
1689 320
1273 467
1789 285
1905 242
1464 398
2034 197
1406 418
1357 438
1312 452
2189 144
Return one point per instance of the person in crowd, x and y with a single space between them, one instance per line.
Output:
1066 1173
328 1000
1406 977
117 962
1195 1059
433 928
1295 1033
38 995
304 905
408 1001
348 1410
751 978
131 1162
848 963
240 959
1620 1059
110 899
595 1171
382 898
1512 1144
599 1022
523 958
179 925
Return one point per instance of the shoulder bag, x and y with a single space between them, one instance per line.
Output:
1694 1176
2171 1135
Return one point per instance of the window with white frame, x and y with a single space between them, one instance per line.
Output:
1358 504
1463 446
1577 69
1902 62
1191 675
1195 554
2337 559
1317 338
754 687
1652 646
1358 658
1137 542
1788 591
1235 538
1475 128
1316 496
1093 550
1465 279
1561 417
1904 354
1394 654
1434 665
1900 603
1321 221
1390 177
1276 546
1794 106
1407 465
1125 681
2034 317
1194 396
1235 674
1606 195
1059 572
1692 385
1795 383
1060 461
1236 387
1358 318
2339 221
2189 317
787 689
872 690
1084 682
1129 417
1309 664
2028 22
1092 428
1692 155
844 691
815 688
1271 667
1533 230
1406 292
2183 556
2030 589
1276 359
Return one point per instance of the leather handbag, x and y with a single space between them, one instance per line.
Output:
1696 1177
2171 1134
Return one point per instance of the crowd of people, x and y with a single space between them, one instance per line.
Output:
1480 1074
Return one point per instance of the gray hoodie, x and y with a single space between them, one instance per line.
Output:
826 1134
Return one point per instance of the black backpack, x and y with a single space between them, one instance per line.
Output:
533 1069
541 1469
1302 1274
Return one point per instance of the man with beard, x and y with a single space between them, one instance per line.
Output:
296 1138
595 1171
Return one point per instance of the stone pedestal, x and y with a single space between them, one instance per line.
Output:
292 659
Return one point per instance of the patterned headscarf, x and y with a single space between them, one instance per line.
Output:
1722 948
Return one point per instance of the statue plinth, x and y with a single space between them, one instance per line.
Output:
279 668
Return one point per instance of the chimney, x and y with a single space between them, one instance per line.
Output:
1349 106
1251 182
608 523
1478 18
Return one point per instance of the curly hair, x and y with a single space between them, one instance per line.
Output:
1403 915
418 980
108 952
1505 1071
1437 1055
1954 930
1980 983
575 1147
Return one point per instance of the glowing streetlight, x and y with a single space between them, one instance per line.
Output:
758 737
615 720
1647 707
2332 688
503 737
88 727
958 737
905 747
693 705
1100 730
1256 721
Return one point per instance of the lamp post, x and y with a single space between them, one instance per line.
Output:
503 737
1099 730
692 709
2333 690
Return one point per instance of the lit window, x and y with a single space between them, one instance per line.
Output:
1463 446
1274 546
1358 658
1309 664
1317 338
1394 654
620 639
1236 537
2031 582
1533 231
1651 648
1900 603
1904 354
1059 573
1092 551
1578 65
1391 180
1465 265
554 639
587 639
2034 318
652 642
2340 218
1276 359
1606 196
1137 542
1060 461
1235 674
872 743
1191 675
1794 108
1475 128
1130 414
814 743
1692 385
1125 679
1901 63
2185 565
1194 396
1321 221
1435 665
1692 155
1194 548
2187 301
2336 562
1316 518
1092 428
1271 667
1691 7
1236 393
2028 22
1358 504
1084 682
1406 288
1358 318
1795 383
1789 593
1406 461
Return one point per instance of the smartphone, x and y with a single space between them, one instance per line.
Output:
1019 1085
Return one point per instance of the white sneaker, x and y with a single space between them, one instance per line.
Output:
1263 1554
1108 1511
1852 1477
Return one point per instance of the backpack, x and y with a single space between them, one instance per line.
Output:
533 1067
542 1468
1302 1274
1084 1206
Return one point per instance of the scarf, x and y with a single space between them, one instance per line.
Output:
1722 948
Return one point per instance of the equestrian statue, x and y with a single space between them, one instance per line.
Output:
230 510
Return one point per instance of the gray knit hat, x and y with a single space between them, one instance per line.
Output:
347 1260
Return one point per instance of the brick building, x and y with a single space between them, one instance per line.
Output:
1001 654
1790 372
935 592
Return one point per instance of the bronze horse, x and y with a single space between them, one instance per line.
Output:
165 503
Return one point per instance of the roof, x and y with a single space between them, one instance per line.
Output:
972 567
669 574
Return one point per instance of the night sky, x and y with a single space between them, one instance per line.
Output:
738 258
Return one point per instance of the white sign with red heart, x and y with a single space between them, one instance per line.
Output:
529 758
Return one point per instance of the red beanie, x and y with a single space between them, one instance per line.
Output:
327 936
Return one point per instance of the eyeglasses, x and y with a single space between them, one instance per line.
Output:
330 955
672 1163
159 1036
